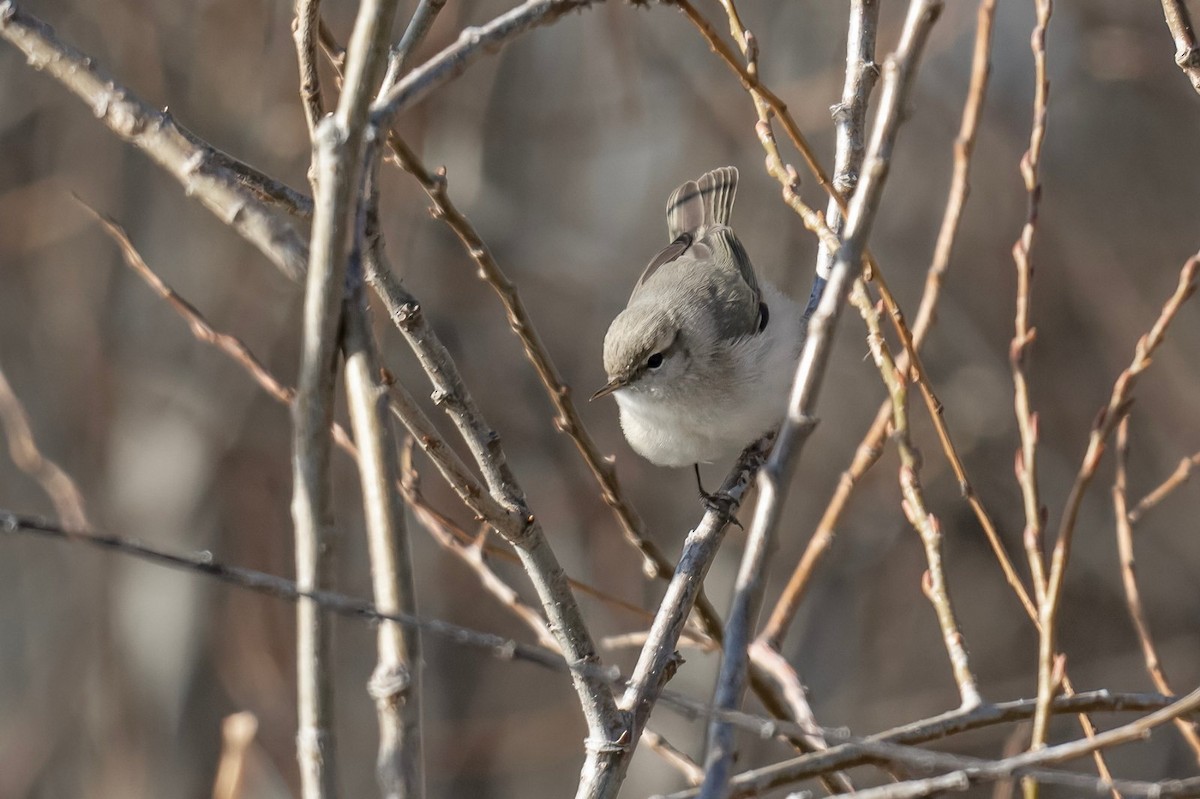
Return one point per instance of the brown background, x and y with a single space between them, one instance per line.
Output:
562 149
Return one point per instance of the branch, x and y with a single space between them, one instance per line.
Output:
517 524
658 660
1106 421
813 221
396 683
339 148
1129 581
1180 476
775 476
883 747
1187 55
23 449
471 44
305 28
414 34
200 169
1024 335
924 522
850 116
506 649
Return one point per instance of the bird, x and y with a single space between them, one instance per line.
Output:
701 359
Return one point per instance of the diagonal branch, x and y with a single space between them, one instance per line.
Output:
1187 55
773 479
23 449
1129 582
1106 421
658 660
203 171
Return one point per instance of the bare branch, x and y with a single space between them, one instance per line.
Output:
471 44
237 733
339 148
850 116
201 170
23 449
305 27
1106 421
1129 581
1187 55
924 522
658 659
883 747
1180 476
414 34
396 683
774 477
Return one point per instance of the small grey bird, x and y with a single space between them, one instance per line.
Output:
702 359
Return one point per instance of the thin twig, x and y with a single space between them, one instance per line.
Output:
414 34
305 27
469 550
506 649
1024 334
23 449
773 479
1187 55
237 734
924 522
1129 581
196 167
850 114
674 756
518 525
883 747
1106 421
470 45
395 684
1180 476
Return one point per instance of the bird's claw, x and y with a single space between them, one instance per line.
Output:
723 503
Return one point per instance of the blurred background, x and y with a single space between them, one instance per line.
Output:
562 149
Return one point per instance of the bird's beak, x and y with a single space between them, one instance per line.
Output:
612 385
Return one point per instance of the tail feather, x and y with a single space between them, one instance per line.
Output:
701 204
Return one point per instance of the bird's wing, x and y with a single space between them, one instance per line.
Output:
665 256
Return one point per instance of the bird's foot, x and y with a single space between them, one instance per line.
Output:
723 503
718 501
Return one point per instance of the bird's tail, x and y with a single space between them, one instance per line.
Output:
701 204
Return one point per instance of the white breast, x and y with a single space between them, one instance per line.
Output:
715 424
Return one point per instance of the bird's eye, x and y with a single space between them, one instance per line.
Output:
655 360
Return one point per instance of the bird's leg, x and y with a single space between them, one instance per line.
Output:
717 501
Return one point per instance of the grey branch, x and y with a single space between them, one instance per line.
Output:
471 44
202 170
850 115
606 767
843 756
1187 55
773 478
509 514
339 149
884 747
396 684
